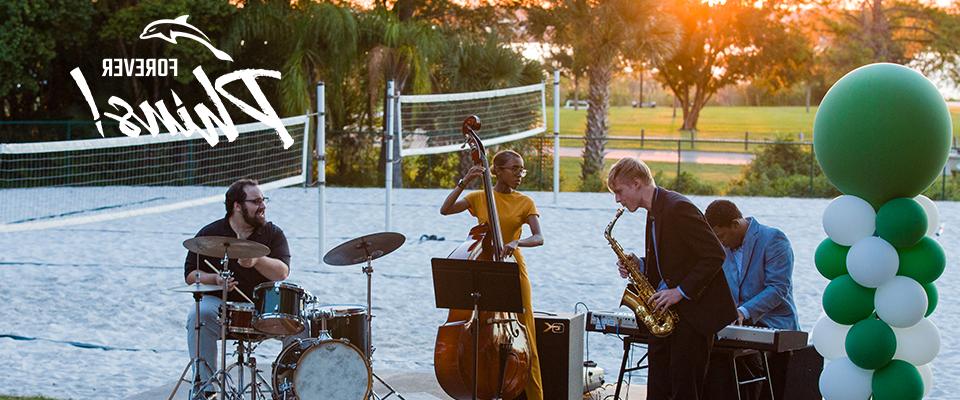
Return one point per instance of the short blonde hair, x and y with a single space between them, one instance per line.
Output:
629 168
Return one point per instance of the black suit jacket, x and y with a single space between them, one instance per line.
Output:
689 256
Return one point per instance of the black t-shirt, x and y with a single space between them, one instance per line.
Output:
247 278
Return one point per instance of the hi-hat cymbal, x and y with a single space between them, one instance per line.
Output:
202 288
215 246
355 251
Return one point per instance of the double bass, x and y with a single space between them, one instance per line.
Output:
504 352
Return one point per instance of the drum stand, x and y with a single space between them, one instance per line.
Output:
368 352
245 358
225 275
195 360
220 375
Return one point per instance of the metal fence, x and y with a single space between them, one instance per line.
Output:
690 151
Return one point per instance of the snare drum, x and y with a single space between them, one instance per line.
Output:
321 369
240 322
279 306
344 321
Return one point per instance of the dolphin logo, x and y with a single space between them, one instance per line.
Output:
171 29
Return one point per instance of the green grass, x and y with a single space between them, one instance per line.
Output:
717 175
714 123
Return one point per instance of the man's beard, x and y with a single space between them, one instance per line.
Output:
252 219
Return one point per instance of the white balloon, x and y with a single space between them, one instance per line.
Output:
829 337
933 215
848 219
842 380
918 344
872 262
926 373
901 302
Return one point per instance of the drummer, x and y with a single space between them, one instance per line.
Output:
245 219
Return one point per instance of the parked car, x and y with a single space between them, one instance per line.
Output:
646 104
582 103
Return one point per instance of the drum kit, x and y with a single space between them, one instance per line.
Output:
328 349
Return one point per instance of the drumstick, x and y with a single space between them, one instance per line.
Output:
235 288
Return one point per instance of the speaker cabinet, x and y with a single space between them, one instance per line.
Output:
796 374
560 347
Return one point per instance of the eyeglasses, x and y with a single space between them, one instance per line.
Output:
517 170
258 202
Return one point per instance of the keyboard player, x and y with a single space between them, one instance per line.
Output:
759 271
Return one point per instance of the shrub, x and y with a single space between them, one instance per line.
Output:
783 169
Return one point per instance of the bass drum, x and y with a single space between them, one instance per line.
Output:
314 369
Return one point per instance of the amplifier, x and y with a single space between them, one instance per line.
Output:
560 347
799 370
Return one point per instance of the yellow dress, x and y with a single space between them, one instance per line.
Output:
513 210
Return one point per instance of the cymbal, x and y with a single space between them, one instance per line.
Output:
215 246
202 288
355 251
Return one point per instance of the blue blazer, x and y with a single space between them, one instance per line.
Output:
765 288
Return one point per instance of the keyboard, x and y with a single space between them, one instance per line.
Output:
736 336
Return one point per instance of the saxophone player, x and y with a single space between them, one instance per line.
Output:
683 260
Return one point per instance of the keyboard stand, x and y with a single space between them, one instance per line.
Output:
628 343
734 354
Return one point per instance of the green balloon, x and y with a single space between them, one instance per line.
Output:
882 131
932 297
870 343
923 262
831 259
899 380
846 302
902 222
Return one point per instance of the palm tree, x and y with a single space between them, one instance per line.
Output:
314 42
471 64
604 33
398 50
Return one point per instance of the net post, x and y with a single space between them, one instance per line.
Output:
321 165
556 135
305 161
388 164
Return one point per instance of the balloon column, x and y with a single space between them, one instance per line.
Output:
882 135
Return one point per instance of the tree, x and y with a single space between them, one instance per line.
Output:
400 50
122 28
564 60
904 32
310 42
39 41
730 42
604 33
470 64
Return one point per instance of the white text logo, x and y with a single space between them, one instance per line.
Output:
152 117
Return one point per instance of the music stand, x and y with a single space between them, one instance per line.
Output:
480 286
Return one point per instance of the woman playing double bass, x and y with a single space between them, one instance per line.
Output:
514 210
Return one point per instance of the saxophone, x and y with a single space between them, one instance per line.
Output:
637 294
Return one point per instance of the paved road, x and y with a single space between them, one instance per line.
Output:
687 156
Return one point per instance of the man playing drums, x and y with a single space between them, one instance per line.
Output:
245 219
